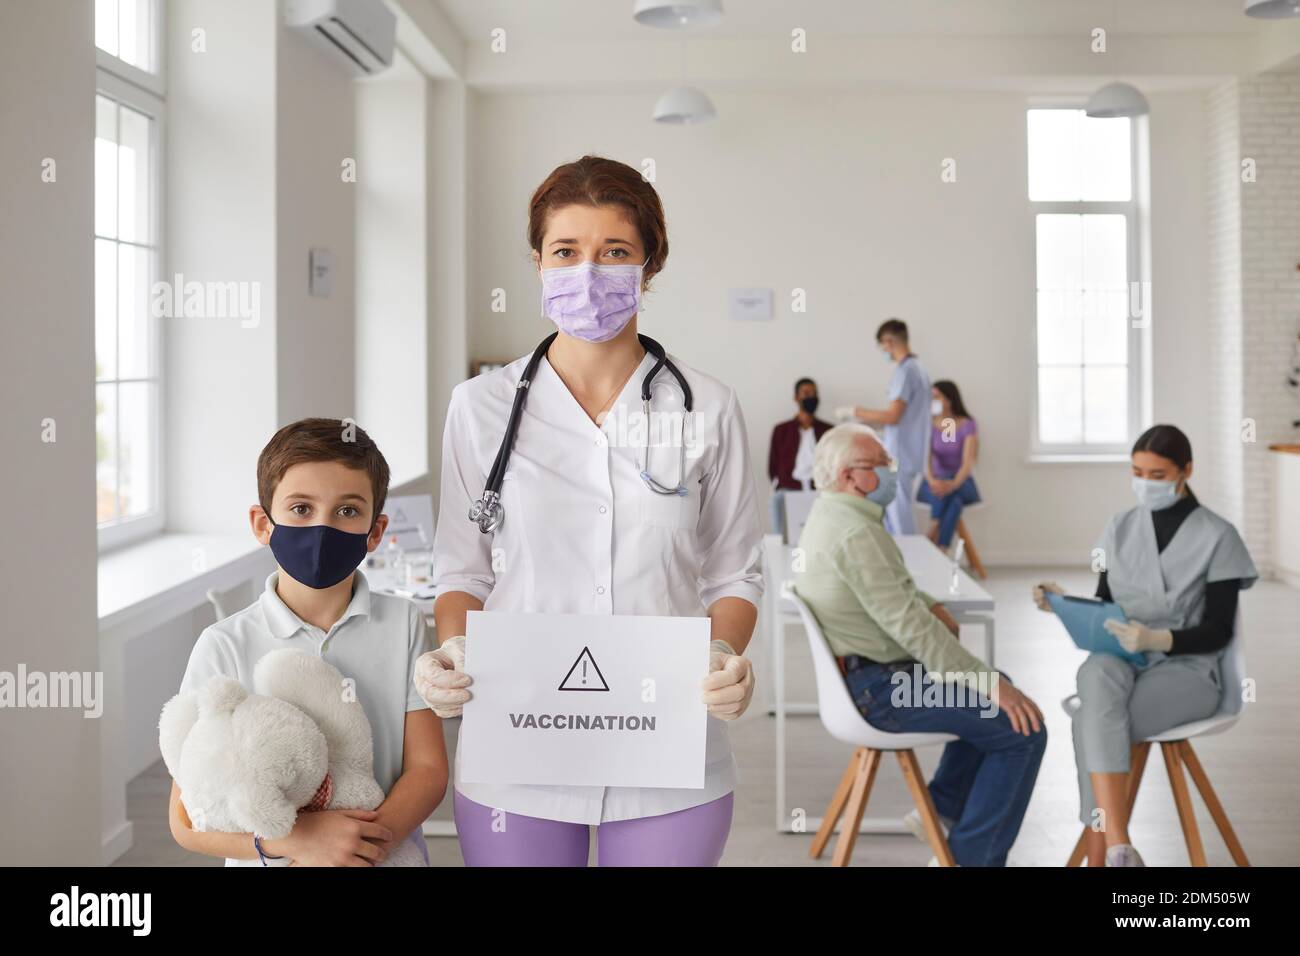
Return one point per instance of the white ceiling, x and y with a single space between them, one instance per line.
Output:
612 19
1041 46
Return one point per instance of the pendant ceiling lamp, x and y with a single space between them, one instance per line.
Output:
1117 99
1272 9
684 104
678 14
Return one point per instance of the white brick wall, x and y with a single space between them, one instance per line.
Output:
1221 488
1255 291
1270 287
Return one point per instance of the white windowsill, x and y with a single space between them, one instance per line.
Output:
1077 459
151 582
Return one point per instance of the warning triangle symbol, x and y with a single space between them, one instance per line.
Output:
584 674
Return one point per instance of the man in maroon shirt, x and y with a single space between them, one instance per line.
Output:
789 460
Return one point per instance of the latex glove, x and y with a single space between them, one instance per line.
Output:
730 683
1042 590
1136 638
845 413
440 677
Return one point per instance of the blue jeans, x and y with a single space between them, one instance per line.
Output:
984 779
947 509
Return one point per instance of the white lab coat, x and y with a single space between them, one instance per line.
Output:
582 534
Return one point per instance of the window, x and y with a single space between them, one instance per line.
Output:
128 118
127 30
1081 192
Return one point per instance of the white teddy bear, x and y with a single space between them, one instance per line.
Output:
247 763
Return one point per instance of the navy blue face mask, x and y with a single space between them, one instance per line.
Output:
317 555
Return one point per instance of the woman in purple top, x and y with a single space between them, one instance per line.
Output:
948 485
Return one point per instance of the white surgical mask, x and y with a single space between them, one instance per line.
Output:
1155 495
936 407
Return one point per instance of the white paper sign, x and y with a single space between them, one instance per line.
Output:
585 700
749 305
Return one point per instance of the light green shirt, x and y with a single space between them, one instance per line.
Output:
853 578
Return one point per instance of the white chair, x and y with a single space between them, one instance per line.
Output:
798 505
972 555
1176 747
233 599
841 718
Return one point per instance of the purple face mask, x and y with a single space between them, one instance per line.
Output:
589 301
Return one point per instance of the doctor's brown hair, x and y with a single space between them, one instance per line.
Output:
597 181
321 439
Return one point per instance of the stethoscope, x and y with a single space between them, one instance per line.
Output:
488 513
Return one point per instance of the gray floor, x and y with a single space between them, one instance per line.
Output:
1253 766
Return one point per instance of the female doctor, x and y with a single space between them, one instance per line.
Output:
591 520
1175 568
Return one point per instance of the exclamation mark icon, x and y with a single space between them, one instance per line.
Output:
584 674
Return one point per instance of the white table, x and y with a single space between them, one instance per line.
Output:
931 569
382 579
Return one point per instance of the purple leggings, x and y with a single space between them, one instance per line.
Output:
691 837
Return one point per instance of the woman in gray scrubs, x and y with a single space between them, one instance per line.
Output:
1175 568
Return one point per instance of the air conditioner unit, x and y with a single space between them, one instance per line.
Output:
359 34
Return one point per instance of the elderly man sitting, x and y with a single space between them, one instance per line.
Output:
901 658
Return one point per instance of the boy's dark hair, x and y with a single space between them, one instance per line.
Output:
802 382
895 327
321 439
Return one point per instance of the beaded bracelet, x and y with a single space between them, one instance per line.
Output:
263 856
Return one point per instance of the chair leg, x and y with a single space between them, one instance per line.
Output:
1183 801
1080 850
1137 762
921 797
1212 802
976 564
865 777
836 807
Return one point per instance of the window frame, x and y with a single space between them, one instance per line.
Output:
1131 209
130 87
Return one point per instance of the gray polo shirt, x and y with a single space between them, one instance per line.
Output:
376 643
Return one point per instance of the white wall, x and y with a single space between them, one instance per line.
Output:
1270 237
1223 202
220 373
258 127
392 315
1255 309
839 193
1180 353
314 133
450 239
49 759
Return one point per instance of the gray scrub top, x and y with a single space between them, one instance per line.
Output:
1166 589
908 439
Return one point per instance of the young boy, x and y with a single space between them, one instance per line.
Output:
321 486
